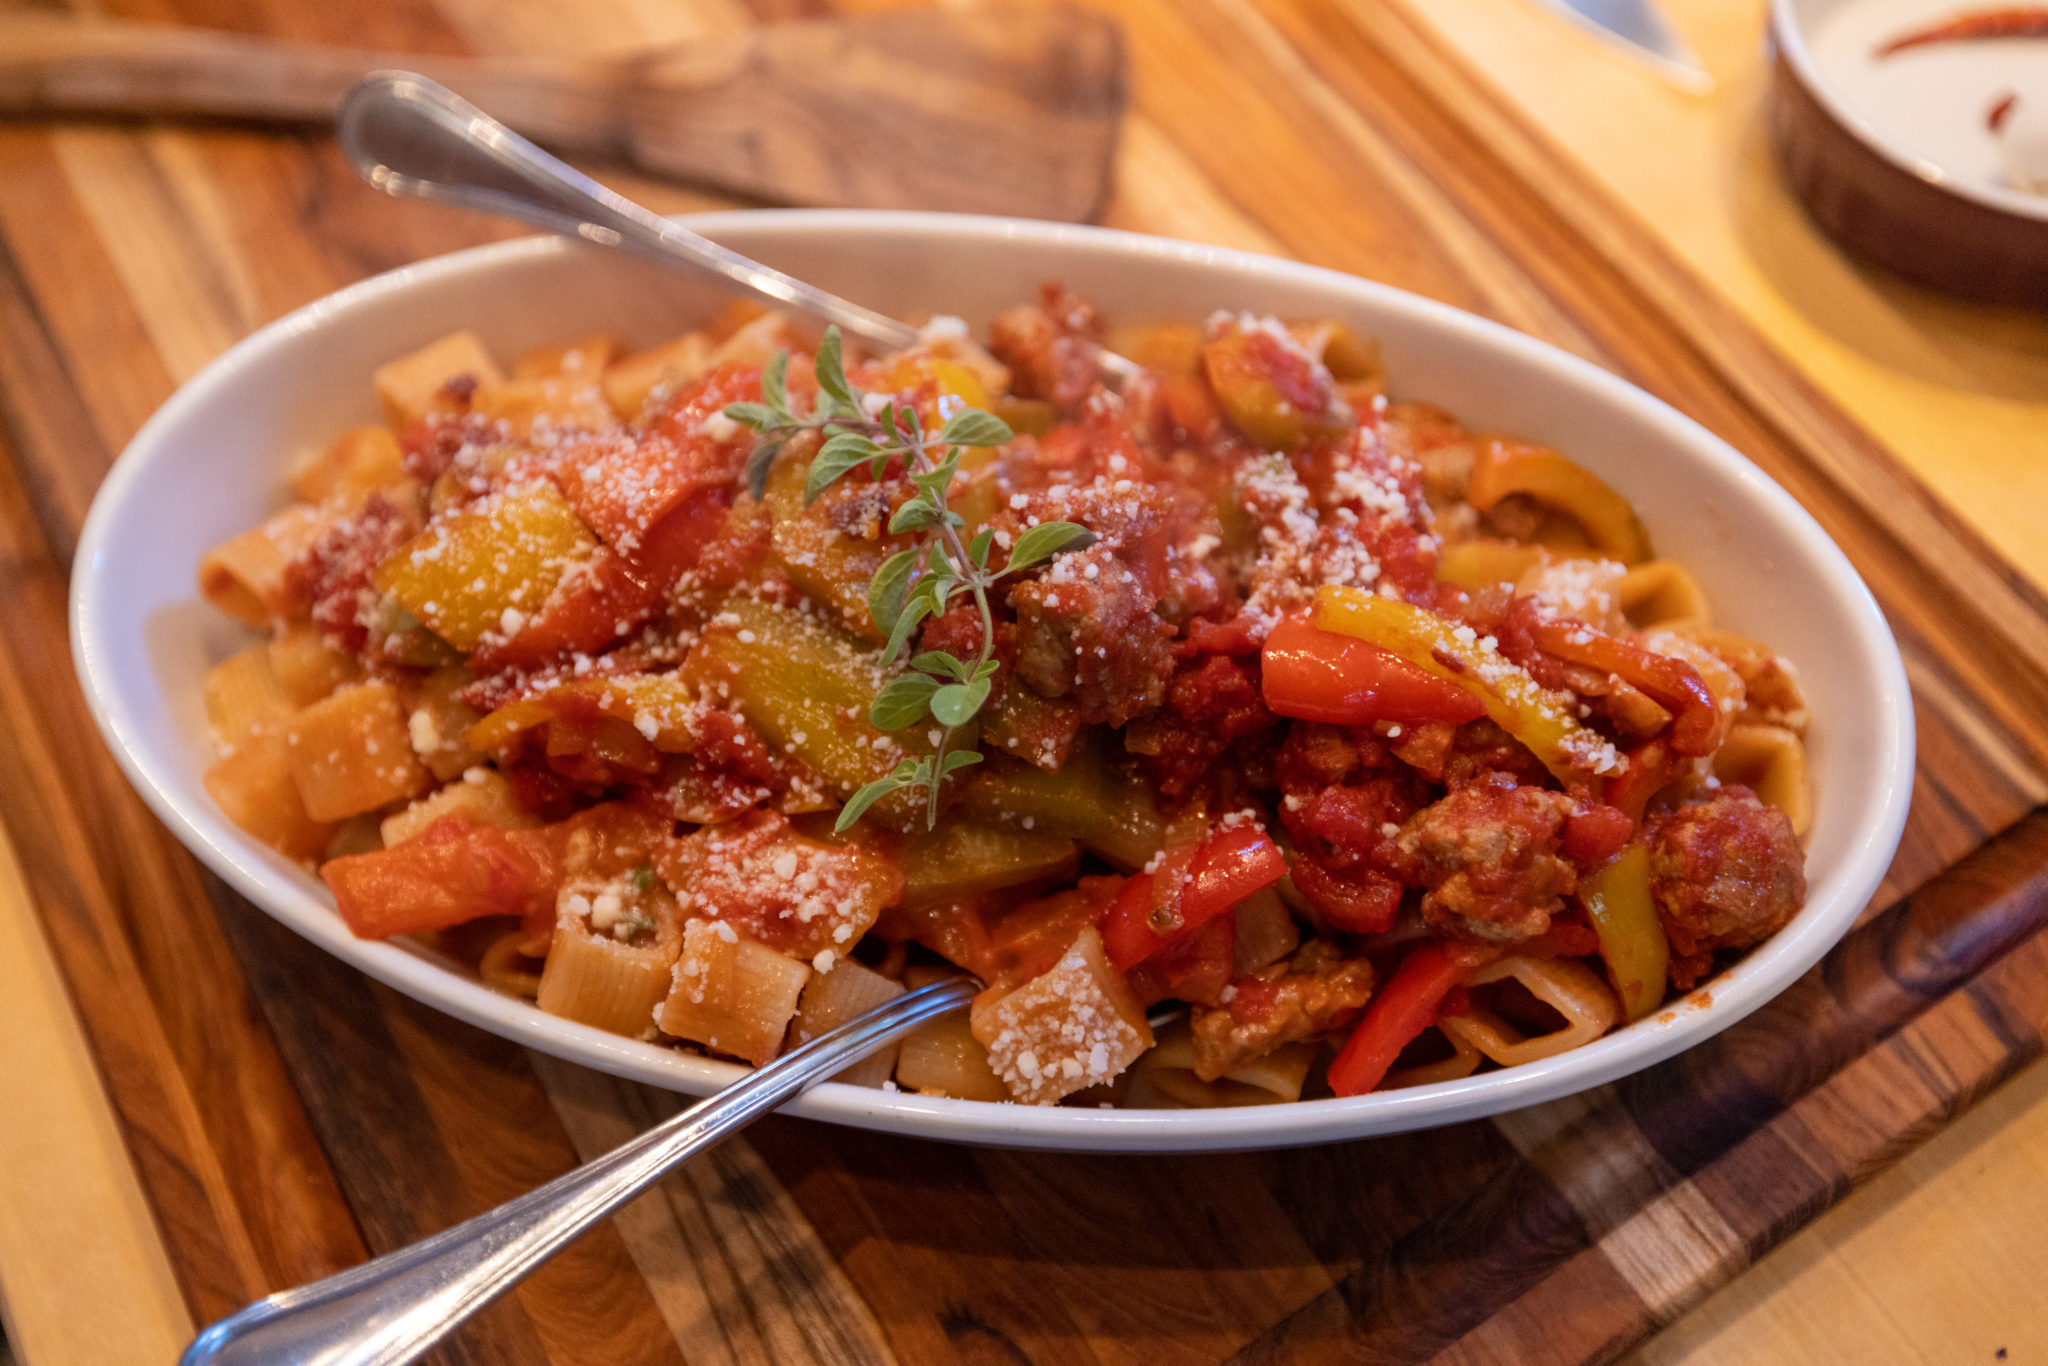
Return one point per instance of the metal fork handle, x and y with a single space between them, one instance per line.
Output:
395 1307
408 135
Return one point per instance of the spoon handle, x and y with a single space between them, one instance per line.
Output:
407 135
395 1307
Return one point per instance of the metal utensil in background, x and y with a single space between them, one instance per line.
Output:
408 136
1003 109
1639 27
391 1309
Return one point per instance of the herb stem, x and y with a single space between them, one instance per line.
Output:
938 685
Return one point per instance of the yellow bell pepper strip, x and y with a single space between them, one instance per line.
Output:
1473 565
658 706
1505 467
1617 900
1271 389
1452 651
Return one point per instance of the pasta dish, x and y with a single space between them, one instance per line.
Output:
1252 734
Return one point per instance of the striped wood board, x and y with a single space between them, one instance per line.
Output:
285 1117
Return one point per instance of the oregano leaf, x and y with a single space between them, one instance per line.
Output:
956 703
903 701
755 415
915 515
973 427
831 370
977 549
959 759
942 663
775 387
759 461
840 453
888 589
915 610
935 481
858 804
1046 540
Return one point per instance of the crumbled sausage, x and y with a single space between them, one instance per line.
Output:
1725 873
1094 638
1312 992
1489 856
1050 348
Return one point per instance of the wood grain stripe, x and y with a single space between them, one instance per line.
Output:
63 1171
392 1163
1158 189
188 294
928 1244
96 339
60 826
737 1271
1664 1238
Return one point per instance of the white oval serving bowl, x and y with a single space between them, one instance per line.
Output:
210 464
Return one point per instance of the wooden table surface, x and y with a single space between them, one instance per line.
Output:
171 1143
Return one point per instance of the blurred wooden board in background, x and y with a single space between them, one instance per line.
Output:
283 1117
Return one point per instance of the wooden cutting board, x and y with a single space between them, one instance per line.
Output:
279 1117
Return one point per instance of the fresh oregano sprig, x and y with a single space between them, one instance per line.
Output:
914 584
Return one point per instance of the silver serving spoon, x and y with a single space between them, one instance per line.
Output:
393 1308
409 136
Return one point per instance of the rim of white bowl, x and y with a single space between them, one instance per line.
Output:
278 889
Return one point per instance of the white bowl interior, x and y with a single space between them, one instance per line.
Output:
209 465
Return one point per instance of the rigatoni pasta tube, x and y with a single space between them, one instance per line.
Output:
832 998
1569 988
600 976
731 994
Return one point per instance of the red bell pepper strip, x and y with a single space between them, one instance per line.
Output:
1225 868
1404 1007
1652 767
1316 675
1672 683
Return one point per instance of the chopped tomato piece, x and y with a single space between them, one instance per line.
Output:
454 870
623 488
1594 834
799 896
1227 866
1029 940
1317 675
457 870
1563 939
